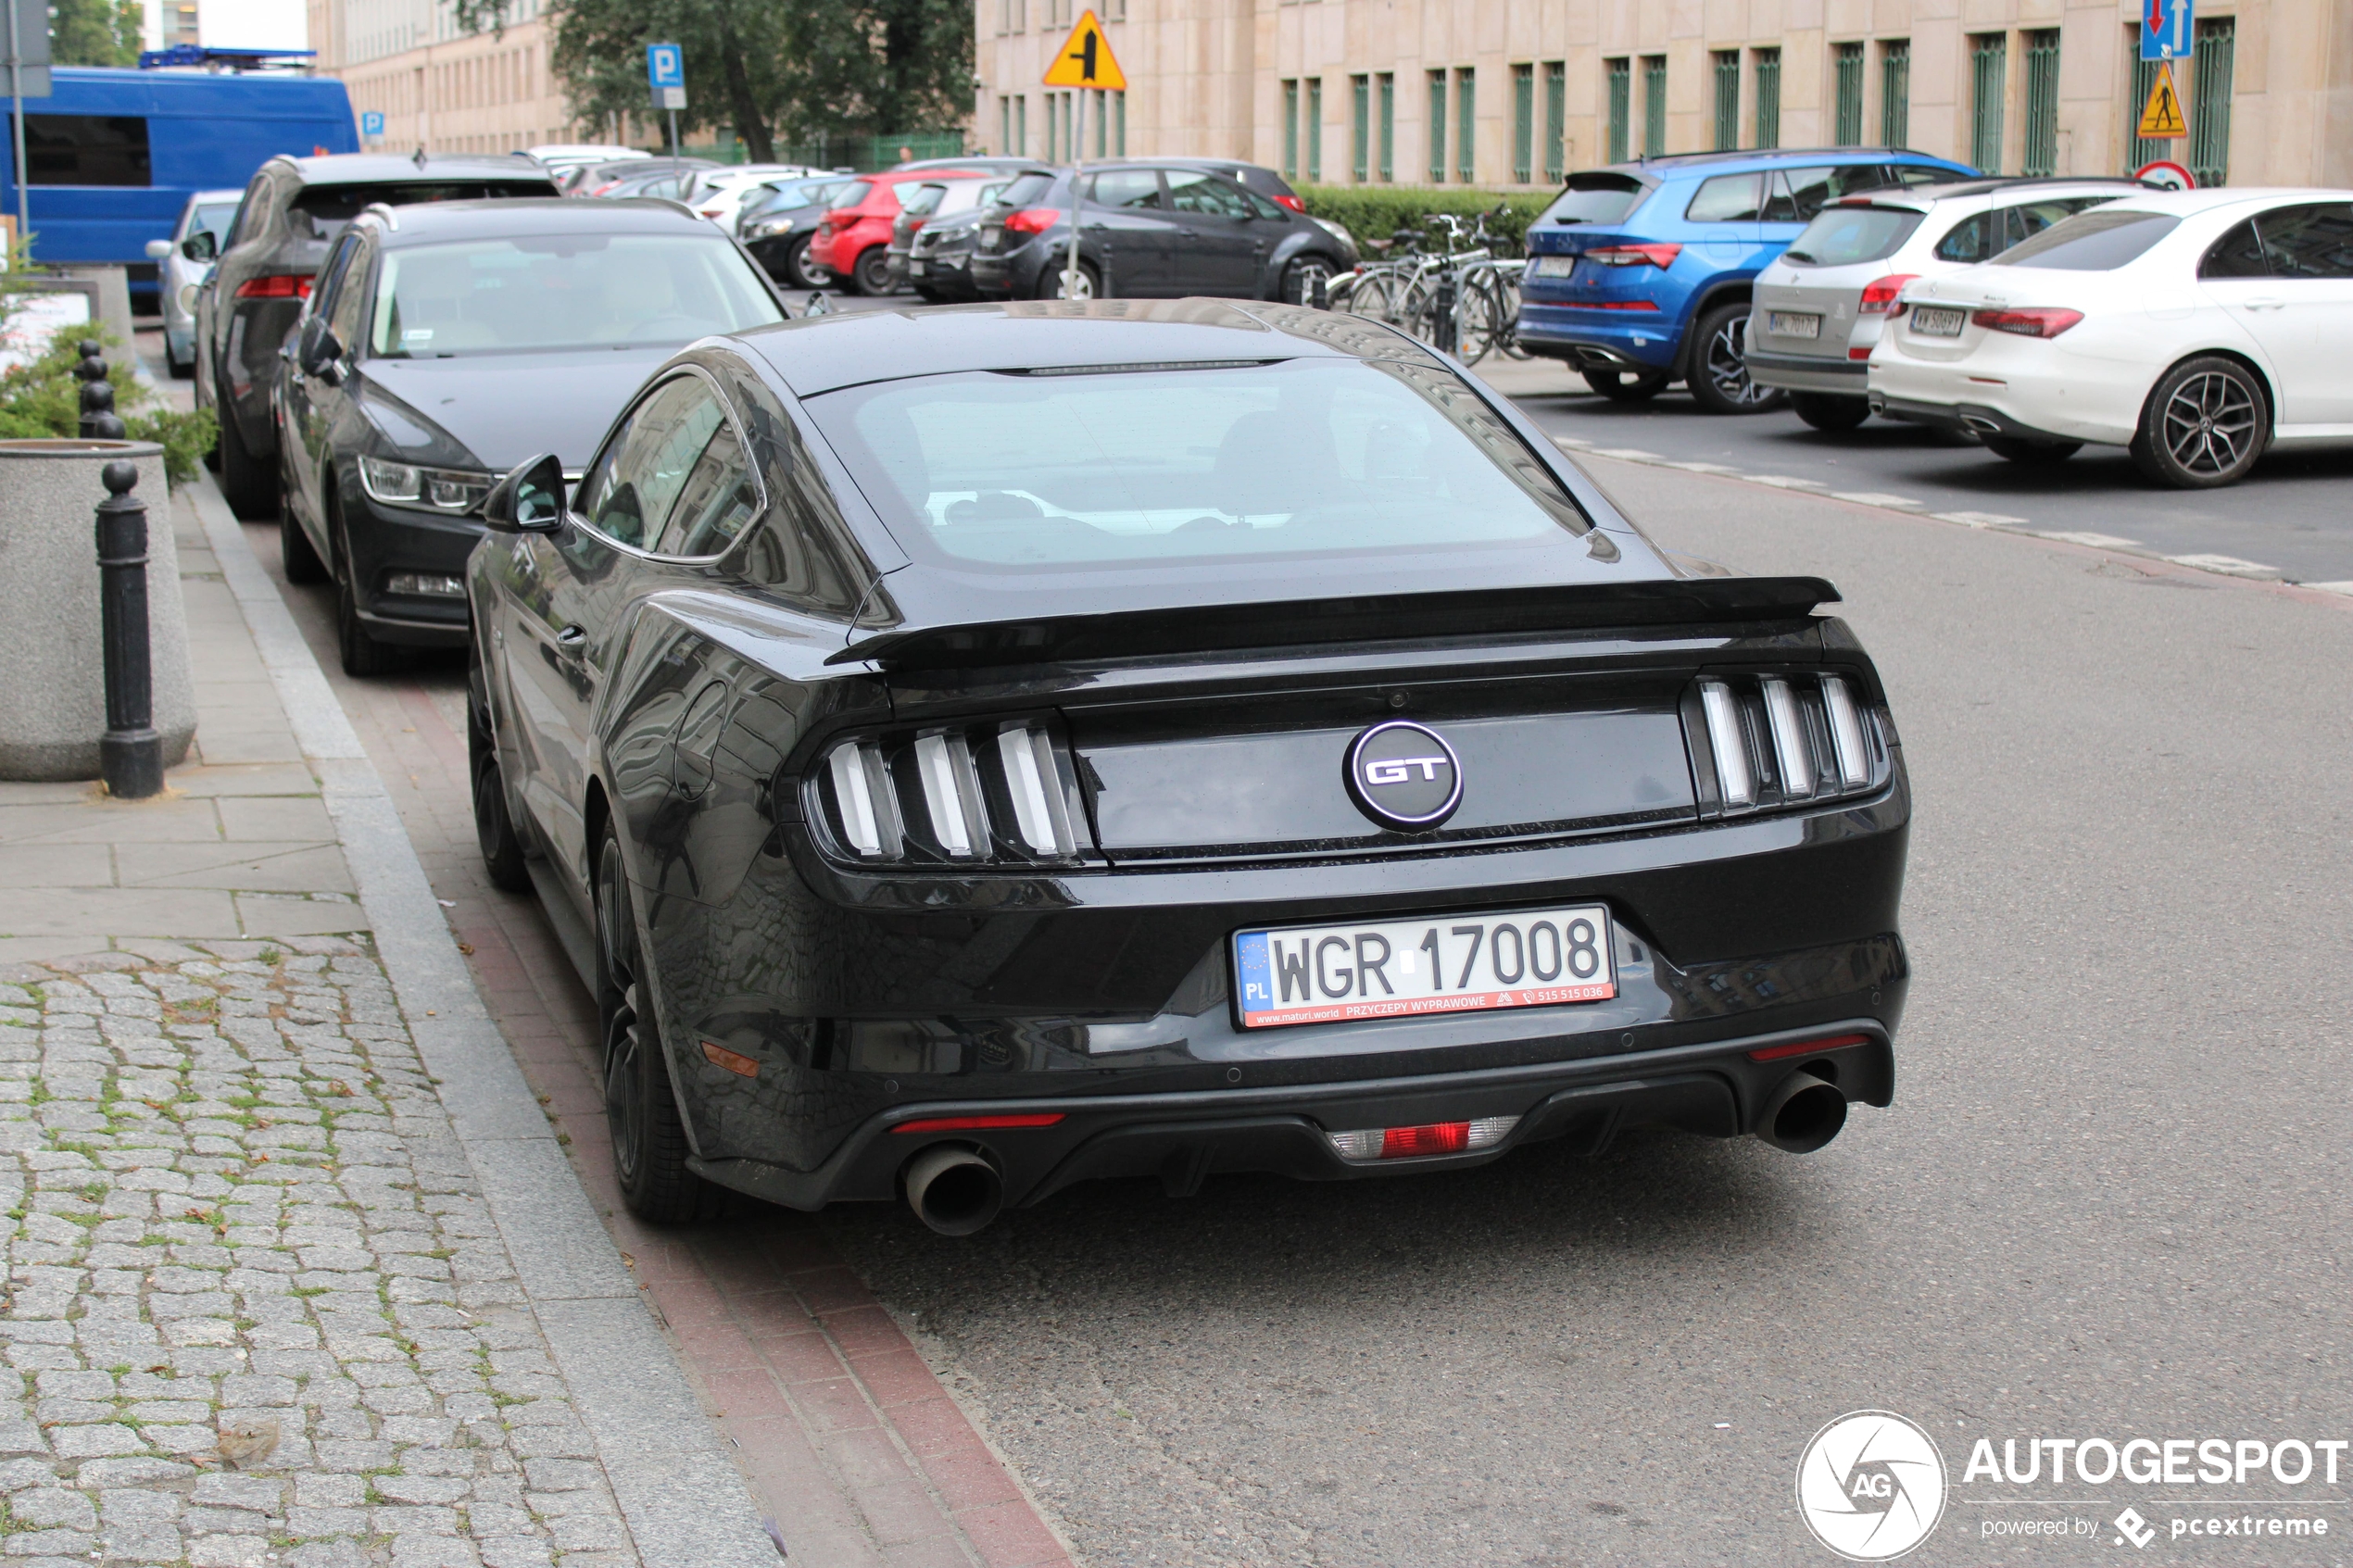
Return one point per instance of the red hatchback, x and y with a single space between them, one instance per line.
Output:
853 242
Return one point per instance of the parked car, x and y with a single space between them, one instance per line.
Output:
605 179
1368 891
933 201
183 262
978 163
1154 229
2198 329
289 212
1819 306
939 255
853 239
1640 273
445 345
561 159
779 225
718 194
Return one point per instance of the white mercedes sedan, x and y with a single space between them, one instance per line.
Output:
2198 328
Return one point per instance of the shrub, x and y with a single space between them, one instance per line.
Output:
43 398
1374 212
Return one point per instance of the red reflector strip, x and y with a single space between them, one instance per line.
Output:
275 285
978 1124
1809 1047
733 1061
1858 353
1615 305
1437 1137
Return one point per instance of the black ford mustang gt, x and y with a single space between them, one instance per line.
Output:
972 751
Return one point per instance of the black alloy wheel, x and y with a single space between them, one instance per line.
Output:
250 485
1051 278
1829 410
182 370
1627 386
2032 453
1719 378
362 654
502 851
871 275
1301 278
2205 424
641 1111
801 272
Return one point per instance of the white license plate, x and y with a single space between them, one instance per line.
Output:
1792 323
1553 266
918 268
1933 322
1409 968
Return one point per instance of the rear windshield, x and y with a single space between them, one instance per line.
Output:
1594 199
2098 241
1026 189
318 211
850 195
1303 457
922 201
1843 236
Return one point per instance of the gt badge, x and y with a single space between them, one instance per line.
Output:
1404 775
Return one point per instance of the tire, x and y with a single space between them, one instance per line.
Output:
641 1111
1829 410
801 272
250 485
2206 424
1091 282
870 273
1625 386
361 654
1301 275
1719 378
502 850
182 370
2031 454
298 559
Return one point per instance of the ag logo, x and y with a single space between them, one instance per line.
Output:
1871 1485
1404 775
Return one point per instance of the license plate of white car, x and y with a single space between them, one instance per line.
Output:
1792 323
1413 968
1931 321
917 269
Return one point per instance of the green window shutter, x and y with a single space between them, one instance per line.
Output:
1291 128
2211 103
1360 150
1555 121
1387 127
1316 130
1849 130
1438 128
1988 68
1654 105
1524 124
1465 122
1768 97
2040 154
1621 104
1728 99
1895 92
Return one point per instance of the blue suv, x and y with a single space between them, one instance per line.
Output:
1638 274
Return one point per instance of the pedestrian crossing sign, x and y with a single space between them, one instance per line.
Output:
2162 120
1085 59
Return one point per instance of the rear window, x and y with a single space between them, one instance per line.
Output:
1594 199
318 211
1027 189
1843 236
850 195
922 201
1303 458
2098 241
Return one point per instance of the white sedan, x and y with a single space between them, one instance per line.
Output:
2197 327
718 192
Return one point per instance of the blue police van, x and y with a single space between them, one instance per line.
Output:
112 157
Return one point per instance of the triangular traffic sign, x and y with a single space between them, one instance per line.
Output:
1085 59
2162 120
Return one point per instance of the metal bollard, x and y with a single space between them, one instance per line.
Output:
130 753
1320 296
1446 334
99 421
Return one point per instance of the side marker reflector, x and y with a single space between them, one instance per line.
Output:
1809 1047
978 1124
733 1061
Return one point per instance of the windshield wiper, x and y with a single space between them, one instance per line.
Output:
1796 255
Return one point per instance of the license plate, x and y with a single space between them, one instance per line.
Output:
1932 322
1553 266
917 269
1410 968
1792 323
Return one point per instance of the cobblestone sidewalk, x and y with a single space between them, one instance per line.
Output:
258 1312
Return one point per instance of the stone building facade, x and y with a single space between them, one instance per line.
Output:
439 87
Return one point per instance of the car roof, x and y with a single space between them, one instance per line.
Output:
825 353
431 222
1764 158
1921 198
352 169
2182 203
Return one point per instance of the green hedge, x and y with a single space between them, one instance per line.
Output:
1374 212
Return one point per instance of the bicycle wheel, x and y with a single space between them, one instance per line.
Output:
1416 313
1373 294
1479 317
1507 283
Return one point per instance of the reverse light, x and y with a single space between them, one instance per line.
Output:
1291 202
1809 1047
862 796
1415 1143
1653 255
1033 219
1724 738
1790 749
979 1123
1879 296
276 285
952 795
987 792
1776 741
2028 320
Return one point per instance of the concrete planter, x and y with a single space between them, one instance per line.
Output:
53 695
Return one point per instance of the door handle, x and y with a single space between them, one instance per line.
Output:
1189 234
2268 302
572 639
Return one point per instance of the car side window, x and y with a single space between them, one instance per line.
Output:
2311 241
2029 219
347 313
1728 198
1190 191
248 220
1799 194
630 491
2238 254
1135 190
1916 174
718 499
330 284
1973 239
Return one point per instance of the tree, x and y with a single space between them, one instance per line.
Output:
94 33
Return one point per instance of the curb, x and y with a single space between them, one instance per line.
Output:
686 1503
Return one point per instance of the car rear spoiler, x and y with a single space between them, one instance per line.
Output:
1363 618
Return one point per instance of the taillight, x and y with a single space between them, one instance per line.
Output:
275 285
837 222
1777 740
1879 297
1659 255
965 796
1034 220
1414 1143
2029 321
1291 202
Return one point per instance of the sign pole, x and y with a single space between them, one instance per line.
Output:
1085 63
16 126
674 132
1077 163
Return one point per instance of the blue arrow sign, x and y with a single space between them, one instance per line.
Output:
665 66
2166 29
372 123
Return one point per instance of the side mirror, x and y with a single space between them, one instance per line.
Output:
318 353
198 247
158 250
529 500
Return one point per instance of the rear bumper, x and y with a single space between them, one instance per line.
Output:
1622 340
1962 418
1717 1089
1806 373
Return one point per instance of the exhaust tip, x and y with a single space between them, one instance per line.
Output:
1803 1114
953 1190
1981 425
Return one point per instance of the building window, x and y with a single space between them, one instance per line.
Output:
1314 130
2041 153
1360 126
1290 128
1768 97
1387 85
1524 124
1727 64
1021 124
1654 105
1895 92
1849 62
1006 128
1988 58
1621 104
1099 116
1438 128
1119 112
1466 121
1556 121
2211 103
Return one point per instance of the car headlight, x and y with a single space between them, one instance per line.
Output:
768 226
455 491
